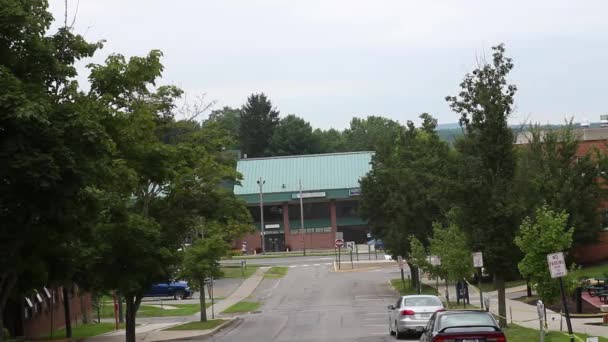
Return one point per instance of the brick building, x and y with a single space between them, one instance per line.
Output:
330 190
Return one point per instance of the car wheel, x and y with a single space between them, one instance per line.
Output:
398 335
179 294
390 329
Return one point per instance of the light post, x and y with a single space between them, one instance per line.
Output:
302 219
261 185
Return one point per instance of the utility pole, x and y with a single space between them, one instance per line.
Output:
302 219
261 185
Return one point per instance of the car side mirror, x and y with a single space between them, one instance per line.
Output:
391 307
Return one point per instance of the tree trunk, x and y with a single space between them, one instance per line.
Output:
202 300
502 307
447 291
121 315
66 312
414 275
130 318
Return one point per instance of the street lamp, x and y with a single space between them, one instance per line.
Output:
302 219
261 185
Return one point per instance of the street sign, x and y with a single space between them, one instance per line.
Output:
350 245
593 339
369 235
434 260
557 265
339 243
400 262
477 259
339 235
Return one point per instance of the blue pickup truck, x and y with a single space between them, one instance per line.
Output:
177 290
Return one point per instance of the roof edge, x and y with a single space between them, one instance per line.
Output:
307 155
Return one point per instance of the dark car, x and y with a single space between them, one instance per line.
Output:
177 290
462 326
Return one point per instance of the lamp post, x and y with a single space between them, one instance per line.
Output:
261 185
302 219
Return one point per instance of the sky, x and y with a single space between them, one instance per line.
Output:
330 60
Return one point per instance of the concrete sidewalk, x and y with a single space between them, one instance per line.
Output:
155 331
526 315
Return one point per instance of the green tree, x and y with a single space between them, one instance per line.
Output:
330 141
258 120
418 256
551 170
228 119
47 167
293 136
374 133
544 234
489 213
201 260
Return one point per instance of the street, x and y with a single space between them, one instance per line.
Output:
313 303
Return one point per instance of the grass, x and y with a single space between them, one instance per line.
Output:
489 287
276 272
407 290
107 310
84 330
456 306
242 306
210 324
518 333
593 271
236 272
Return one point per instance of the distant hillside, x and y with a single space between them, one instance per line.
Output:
451 125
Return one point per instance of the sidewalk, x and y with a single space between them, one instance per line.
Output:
155 331
526 315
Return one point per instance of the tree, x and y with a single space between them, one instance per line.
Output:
550 170
489 213
405 192
47 168
374 133
330 141
228 119
258 121
201 260
293 136
418 257
544 234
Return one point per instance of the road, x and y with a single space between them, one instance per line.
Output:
313 303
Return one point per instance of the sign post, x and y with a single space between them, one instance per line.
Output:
478 263
400 261
558 269
339 243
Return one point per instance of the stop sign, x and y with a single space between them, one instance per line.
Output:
339 243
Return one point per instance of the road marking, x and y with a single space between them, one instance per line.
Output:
304 265
375 325
382 333
328 263
317 264
277 284
293 266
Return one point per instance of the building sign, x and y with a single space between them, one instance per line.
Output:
354 192
557 265
319 194
273 226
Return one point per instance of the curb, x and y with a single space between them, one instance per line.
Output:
226 325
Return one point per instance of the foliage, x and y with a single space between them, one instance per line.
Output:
374 133
330 141
489 211
293 136
418 254
551 170
258 119
450 245
546 233
201 259
229 120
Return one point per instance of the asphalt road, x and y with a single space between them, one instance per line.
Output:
313 304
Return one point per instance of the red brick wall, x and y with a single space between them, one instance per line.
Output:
593 253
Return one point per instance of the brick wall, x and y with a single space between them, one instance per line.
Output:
593 253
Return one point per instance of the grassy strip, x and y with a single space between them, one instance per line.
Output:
210 324
518 333
461 306
276 272
407 290
241 307
598 271
84 330
107 310
236 272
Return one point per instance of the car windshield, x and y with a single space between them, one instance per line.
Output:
421 301
465 319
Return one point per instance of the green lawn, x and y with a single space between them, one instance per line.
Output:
489 287
210 324
84 330
518 333
107 310
236 272
407 290
276 272
243 306
598 271
461 306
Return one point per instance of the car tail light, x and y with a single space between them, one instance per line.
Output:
492 338
407 313
440 310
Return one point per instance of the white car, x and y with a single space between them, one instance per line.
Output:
412 313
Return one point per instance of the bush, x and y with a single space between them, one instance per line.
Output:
234 253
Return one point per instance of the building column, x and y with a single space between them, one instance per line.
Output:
286 228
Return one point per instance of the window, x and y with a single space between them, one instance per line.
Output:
347 209
456 320
422 301
272 213
311 211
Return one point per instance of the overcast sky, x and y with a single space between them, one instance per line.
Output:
328 61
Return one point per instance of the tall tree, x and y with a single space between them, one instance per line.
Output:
258 121
485 180
47 168
228 119
374 133
330 141
293 136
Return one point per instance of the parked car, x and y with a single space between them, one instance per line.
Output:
177 290
412 313
463 326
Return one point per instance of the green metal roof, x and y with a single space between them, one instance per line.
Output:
316 171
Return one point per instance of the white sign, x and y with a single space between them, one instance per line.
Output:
477 259
593 339
434 260
309 195
557 265
350 245
273 226
339 235
400 262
